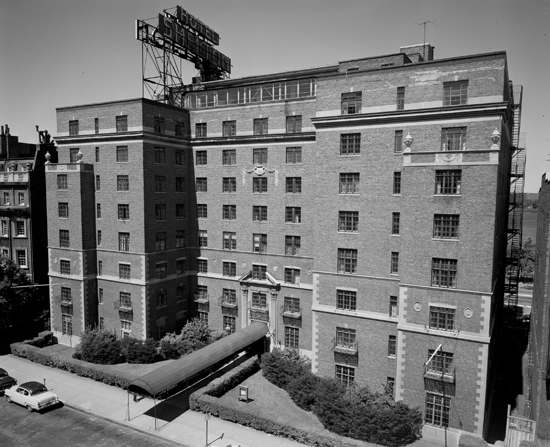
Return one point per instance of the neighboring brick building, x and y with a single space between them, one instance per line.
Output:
360 209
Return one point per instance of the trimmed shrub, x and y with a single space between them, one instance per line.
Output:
282 366
218 387
99 346
467 440
139 351
526 443
195 335
45 338
302 390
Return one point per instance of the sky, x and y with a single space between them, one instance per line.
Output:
56 53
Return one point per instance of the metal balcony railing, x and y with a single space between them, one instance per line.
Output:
444 375
201 298
345 347
291 312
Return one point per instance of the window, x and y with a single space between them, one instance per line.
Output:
229 212
64 238
203 317
98 183
260 126
162 327
259 243
98 210
203 238
179 130
455 93
229 184
202 211
346 337
21 257
63 209
294 124
200 130
351 103
97 154
398 142
125 328
122 123
202 184
160 155
161 269
125 300
122 154
124 271
67 324
293 155
6 198
229 240
392 346
292 245
160 241
446 226
444 272
395 223
347 260
160 211
400 98
20 228
229 296
73 155
162 298
259 271
293 214
390 386
180 210
292 275
124 241
96 125
229 157
201 158
393 306
259 185
100 296
259 156
62 183
5 227
229 269
448 181
160 183
259 300
348 221
453 138
292 337
350 144
122 183
179 157
98 237
345 374
180 238
437 410
259 213
294 185
73 127
346 299
292 305
159 125
441 362
229 128
180 184
229 324
123 211
180 293
349 183
99 268
394 266
442 318
202 265
64 267
21 198
397 182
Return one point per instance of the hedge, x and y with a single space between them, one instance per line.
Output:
206 400
526 443
75 366
467 440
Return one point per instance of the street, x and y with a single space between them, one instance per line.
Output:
63 426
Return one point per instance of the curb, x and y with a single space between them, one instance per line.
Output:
123 424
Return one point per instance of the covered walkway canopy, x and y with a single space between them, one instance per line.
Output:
171 375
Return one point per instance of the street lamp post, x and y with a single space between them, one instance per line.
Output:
206 419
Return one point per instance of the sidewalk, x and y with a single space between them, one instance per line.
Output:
111 403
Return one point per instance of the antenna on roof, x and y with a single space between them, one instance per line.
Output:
424 23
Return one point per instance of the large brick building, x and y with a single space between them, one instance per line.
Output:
360 209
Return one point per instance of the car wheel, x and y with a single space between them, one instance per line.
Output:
29 408
8 398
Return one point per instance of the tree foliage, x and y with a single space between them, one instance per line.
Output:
134 350
99 346
195 335
24 311
527 258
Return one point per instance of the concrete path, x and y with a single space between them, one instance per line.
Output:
187 428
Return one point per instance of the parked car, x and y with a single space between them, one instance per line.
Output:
32 395
6 381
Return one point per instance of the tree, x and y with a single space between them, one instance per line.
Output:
24 311
195 335
527 257
99 346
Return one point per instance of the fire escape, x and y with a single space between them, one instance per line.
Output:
515 208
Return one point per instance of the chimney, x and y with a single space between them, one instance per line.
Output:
419 53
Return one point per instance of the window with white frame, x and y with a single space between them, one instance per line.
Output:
229 323
292 337
229 268
229 212
444 272
348 221
63 210
292 275
438 408
346 299
345 374
442 318
64 266
259 243
21 257
124 271
66 324
125 328
229 240
259 272
347 260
